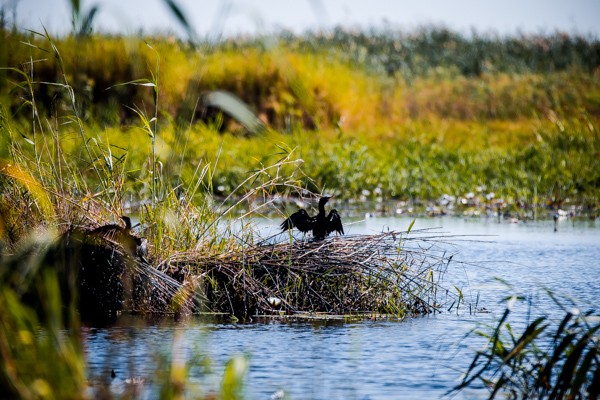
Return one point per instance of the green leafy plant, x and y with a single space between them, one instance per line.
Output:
548 359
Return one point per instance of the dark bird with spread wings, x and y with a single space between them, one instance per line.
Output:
123 236
321 225
114 232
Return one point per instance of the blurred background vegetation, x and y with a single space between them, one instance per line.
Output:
408 116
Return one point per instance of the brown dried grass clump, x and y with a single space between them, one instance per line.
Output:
391 274
395 274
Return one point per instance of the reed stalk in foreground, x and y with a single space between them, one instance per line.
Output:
40 358
43 354
548 359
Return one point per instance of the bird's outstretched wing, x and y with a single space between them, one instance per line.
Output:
110 232
334 222
122 236
300 219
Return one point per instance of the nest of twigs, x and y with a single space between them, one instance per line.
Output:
393 273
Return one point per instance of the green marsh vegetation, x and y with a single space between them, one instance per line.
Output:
96 126
408 116
549 357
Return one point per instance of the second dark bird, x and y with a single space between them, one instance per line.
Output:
116 233
321 225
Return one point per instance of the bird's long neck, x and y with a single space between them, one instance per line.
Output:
127 223
322 208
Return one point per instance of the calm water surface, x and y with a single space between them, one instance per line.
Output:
372 359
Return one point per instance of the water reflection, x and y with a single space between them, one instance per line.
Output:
372 359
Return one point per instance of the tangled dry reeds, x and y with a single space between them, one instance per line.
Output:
392 274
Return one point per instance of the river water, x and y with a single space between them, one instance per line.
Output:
420 357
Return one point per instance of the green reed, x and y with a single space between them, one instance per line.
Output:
547 358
